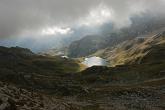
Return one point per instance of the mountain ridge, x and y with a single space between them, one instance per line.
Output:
135 51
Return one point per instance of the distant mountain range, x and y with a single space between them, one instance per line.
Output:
141 26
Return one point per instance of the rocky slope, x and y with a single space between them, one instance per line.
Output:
33 82
141 26
55 52
98 98
91 44
22 67
15 98
136 51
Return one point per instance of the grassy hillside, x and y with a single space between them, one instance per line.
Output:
21 66
140 26
136 82
126 74
137 51
22 60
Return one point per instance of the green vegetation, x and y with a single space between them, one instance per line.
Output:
136 51
22 67
136 73
20 62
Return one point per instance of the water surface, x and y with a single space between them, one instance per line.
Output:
94 61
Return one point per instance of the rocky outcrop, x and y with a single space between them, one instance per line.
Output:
15 52
91 44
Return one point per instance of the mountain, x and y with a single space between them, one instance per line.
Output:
91 44
54 52
136 51
24 58
22 67
138 64
141 26
15 52
134 60
135 80
31 81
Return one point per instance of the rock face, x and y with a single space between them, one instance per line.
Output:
91 44
54 52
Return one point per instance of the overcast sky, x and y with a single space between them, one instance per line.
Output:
49 19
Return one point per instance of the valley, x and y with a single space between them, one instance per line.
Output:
82 55
133 80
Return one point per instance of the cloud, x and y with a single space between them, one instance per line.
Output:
45 21
56 31
19 16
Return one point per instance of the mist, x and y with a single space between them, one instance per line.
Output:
45 24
